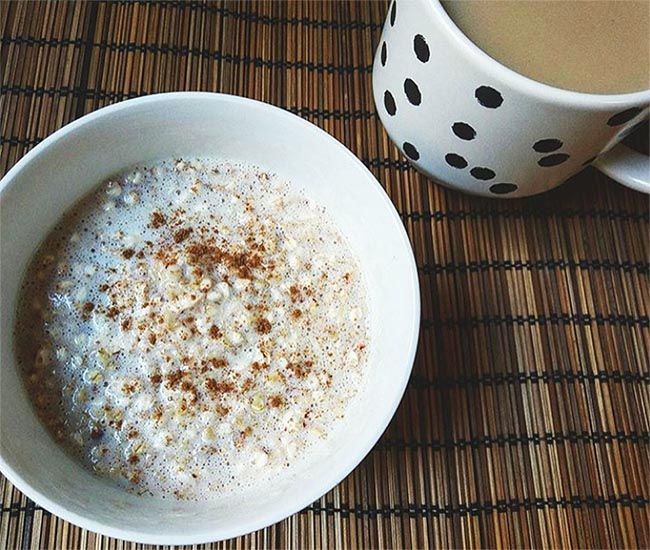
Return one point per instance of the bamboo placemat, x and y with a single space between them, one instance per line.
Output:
527 418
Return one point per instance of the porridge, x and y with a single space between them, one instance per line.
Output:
192 326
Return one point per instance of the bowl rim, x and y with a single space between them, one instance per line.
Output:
378 422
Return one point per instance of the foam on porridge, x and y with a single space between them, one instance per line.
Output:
191 327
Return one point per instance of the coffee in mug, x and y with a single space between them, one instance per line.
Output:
591 46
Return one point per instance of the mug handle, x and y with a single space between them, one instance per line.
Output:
626 166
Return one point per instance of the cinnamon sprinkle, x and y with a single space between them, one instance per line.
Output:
190 388
173 378
112 312
276 401
257 366
263 326
218 342
219 363
182 234
221 410
157 220
295 294
217 388
299 370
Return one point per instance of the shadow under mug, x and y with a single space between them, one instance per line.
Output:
474 125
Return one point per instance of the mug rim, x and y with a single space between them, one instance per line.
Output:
528 85
381 420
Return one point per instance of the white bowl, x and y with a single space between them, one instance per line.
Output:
64 167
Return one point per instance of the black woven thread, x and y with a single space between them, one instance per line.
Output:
504 440
532 265
23 142
15 509
164 49
86 53
393 164
34 41
476 508
77 92
433 510
102 95
539 213
28 521
534 377
580 319
253 17
357 114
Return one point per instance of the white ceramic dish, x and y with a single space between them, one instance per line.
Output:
36 192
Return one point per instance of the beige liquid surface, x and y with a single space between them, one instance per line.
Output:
593 46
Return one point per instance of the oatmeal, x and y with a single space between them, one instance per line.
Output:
193 326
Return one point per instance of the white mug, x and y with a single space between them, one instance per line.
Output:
472 124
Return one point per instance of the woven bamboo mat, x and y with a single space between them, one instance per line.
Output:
527 419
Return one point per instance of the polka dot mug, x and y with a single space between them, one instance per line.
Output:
472 124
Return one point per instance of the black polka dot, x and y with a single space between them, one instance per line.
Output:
624 116
389 103
412 92
421 48
553 160
393 13
488 97
503 188
463 130
588 161
384 54
410 151
547 145
481 173
455 160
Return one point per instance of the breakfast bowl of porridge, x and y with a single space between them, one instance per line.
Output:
210 313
